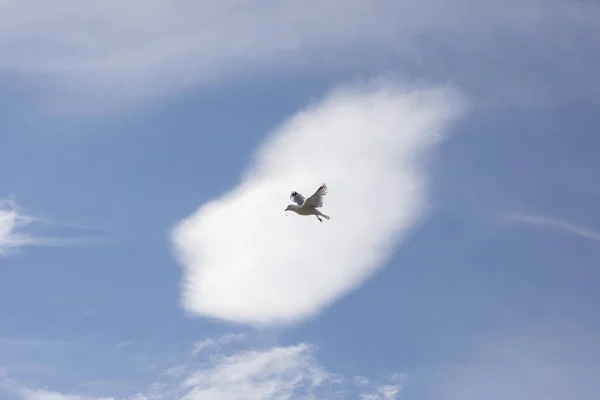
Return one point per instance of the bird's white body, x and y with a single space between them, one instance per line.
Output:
310 205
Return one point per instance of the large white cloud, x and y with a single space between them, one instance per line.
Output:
246 262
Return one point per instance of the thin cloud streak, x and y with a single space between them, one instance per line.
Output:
14 235
244 261
211 343
550 222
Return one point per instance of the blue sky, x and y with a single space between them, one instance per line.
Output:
148 151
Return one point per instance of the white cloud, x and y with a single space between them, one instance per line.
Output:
278 372
11 221
246 262
257 374
13 234
551 222
140 48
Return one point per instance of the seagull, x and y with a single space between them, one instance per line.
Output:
309 206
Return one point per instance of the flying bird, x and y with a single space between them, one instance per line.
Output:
309 206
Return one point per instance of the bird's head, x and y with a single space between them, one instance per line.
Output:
288 208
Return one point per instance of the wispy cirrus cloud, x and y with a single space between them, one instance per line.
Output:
244 261
552 222
40 394
249 373
210 343
16 231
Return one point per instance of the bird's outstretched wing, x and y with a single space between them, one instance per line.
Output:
297 198
316 200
